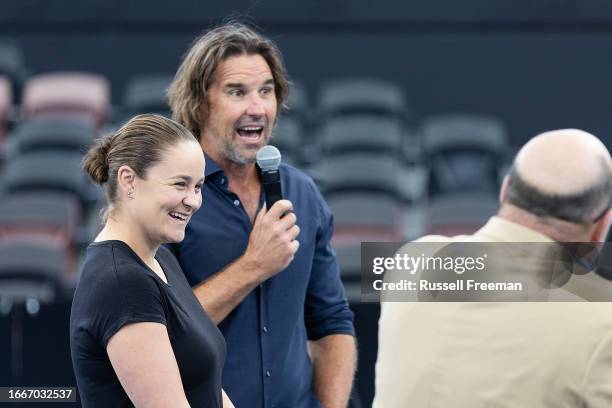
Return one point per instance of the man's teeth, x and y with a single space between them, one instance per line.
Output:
250 131
180 216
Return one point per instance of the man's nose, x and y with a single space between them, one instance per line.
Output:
256 106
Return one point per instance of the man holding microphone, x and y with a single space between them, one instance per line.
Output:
272 287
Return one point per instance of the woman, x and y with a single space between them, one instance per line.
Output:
138 335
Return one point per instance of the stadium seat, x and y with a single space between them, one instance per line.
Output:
361 96
359 172
76 95
147 94
366 210
31 275
31 271
349 261
362 217
287 137
93 222
464 152
348 257
343 135
53 134
49 218
46 171
460 213
298 103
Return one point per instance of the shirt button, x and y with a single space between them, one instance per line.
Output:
268 373
222 180
236 203
265 329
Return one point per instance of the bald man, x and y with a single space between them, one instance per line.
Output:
526 355
559 185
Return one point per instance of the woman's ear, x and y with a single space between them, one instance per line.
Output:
126 178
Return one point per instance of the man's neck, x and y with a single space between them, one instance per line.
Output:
240 176
557 230
242 180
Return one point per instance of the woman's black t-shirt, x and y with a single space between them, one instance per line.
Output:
116 288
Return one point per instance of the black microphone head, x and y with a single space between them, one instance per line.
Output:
268 158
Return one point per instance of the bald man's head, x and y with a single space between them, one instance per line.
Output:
564 174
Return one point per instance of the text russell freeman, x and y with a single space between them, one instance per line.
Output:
458 285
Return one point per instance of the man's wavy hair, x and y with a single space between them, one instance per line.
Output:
188 92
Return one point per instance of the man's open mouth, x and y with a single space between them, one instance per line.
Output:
251 132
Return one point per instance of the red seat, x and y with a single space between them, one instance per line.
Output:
67 94
44 219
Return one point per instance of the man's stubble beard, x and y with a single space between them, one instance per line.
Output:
228 149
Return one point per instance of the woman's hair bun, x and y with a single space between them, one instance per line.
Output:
95 162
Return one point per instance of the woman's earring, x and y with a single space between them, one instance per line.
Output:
130 193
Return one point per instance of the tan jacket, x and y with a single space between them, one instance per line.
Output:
477 355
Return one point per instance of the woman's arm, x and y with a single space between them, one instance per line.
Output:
227 403
142 357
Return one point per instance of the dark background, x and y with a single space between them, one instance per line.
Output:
537 65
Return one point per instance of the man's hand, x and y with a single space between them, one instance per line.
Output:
272 246
272 243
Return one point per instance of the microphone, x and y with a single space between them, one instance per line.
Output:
268 160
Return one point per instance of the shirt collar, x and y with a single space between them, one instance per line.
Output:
503 230
211 166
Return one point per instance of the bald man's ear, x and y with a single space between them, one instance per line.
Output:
504 189
602 227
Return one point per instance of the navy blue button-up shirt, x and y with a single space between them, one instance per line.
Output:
267 363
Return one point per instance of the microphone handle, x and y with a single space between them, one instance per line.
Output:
270 180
